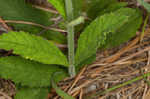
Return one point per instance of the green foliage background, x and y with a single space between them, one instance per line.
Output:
109 24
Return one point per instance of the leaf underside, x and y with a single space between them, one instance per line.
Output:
28 73
33 47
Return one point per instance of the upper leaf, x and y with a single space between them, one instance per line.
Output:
28 73
125 32
31 93
59 5
18 10
32 47
95 35
106 6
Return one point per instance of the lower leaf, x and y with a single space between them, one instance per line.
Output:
33 47
28 73
58 90
127 31
31 93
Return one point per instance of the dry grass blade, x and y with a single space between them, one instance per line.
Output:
81 94
35 24
133 55
147 96
77 79
46 9
122 51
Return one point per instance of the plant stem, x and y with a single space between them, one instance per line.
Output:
70 31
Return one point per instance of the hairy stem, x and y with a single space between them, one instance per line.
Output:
70 31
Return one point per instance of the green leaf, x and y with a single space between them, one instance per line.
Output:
18 10
127 31
28 73
59 5
145 4
31 93
33 48
58 90
106 6
95 35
